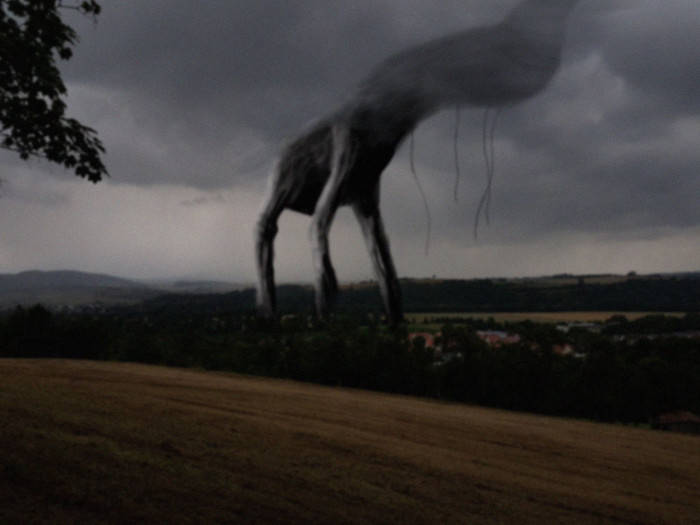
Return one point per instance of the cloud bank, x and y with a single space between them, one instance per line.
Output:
193 100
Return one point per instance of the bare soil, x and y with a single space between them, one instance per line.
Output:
88 442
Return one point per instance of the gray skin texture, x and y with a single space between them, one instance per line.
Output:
340 159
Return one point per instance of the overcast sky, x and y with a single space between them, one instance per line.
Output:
193 100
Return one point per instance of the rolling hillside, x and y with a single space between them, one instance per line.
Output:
121 443
68 288
670 293
658 293
73 288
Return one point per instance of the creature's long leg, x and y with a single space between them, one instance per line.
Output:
265 231
326 284
369 217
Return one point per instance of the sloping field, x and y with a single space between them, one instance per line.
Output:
85 442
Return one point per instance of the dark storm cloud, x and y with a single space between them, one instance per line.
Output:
223 59
193 98
657 49
208 90
205 72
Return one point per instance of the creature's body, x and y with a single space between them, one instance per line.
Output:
340 160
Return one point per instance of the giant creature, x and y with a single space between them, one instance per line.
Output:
340 159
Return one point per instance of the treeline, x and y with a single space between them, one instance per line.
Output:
615 381
653 324
637 294
660 294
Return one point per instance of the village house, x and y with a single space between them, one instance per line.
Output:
577 325
497 338
494 338
567 350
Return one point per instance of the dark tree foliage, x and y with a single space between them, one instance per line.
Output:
33 37
625 381
643 294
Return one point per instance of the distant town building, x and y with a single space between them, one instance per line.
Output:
567 350
590 327
498 338
563 349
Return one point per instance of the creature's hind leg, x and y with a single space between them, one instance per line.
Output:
326 284
369 217
265 232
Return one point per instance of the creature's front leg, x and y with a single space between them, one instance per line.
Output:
265 232
264 256
326 284
370 220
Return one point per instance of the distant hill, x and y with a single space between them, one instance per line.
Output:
659 292
559 293
635 293
37 280
69 288
74 288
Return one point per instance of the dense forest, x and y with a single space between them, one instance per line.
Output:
611 377
564 293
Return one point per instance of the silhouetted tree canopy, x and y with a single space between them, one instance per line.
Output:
32 110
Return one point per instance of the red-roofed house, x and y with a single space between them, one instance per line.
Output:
498 338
